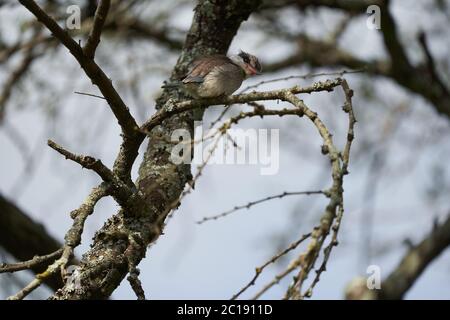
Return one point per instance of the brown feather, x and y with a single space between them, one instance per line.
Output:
201 67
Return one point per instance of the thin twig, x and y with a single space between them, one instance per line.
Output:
89 94
334 210
25 265
85 161
304 76
133 277
275 281
122 193
40 278
252 203
260 269
220 117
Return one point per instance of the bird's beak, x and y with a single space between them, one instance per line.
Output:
252 70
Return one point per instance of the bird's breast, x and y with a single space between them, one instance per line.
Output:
220 81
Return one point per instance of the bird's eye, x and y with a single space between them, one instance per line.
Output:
246 59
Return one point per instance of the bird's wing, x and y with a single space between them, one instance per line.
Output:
201 67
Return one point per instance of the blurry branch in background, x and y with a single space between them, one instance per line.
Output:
121 25
15 77
410 268
357 6
24 238
134 28
19 141
321 53
303 76
376 164
430 64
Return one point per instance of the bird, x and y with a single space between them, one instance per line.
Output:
218 75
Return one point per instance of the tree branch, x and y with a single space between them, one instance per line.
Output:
94 36
49 272
174 108
253 203
274 259
123 194
85 161
30 264
332 216
139 29
94 72
14 77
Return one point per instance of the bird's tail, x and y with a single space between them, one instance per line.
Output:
176 84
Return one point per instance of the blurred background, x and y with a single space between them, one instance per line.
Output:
399 182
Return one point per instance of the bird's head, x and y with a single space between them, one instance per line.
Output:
249 63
